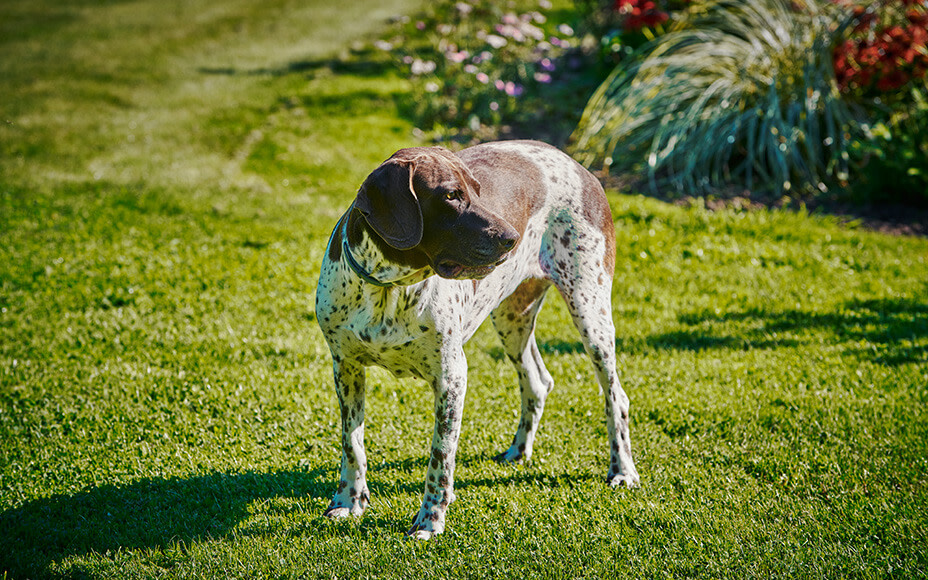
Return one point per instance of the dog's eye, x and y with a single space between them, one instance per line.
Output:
453 195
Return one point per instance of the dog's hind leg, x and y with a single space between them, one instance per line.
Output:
579 263
590 306
352 496
514 320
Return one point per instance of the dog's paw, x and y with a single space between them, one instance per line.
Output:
429 523
342 507
336 513
512 455
624 480
420 535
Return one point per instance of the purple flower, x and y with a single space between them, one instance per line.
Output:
514 90
546 64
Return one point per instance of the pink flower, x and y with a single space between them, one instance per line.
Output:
514 90
542 77
483 78
420 25
546 64
458 57
510 31
494 106
500 85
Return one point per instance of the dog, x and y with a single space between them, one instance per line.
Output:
435 242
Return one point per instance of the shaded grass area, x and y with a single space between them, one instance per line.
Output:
166 406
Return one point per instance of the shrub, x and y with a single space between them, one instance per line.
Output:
622 26
886 51
894 163
477 64
882 64
743 93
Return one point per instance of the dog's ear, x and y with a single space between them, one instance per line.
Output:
471 180
389 204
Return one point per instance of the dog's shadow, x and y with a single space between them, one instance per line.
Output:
149 513
156 514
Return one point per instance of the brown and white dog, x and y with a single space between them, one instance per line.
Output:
433 244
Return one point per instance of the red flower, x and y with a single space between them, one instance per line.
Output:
893 80
640 13
887 48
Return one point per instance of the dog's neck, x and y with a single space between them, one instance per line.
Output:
362 251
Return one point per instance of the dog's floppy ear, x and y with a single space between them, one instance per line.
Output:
469 179
389 204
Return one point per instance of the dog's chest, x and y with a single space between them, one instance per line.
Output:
404 329
390 328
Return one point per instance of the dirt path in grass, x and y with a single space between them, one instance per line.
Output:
156 92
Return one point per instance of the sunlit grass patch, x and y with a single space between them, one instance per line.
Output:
166 404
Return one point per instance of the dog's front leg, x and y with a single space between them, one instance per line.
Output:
449 390
352 495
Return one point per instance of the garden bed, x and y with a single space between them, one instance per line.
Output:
526 70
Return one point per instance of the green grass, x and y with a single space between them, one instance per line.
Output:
168 179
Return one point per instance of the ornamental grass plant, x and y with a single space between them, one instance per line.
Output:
740 93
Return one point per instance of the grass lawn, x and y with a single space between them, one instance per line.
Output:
169 175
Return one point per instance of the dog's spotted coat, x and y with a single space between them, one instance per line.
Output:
434 243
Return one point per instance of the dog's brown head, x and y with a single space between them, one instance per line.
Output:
425 200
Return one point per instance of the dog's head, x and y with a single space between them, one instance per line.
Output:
425 199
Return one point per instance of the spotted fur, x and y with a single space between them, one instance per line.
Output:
532 218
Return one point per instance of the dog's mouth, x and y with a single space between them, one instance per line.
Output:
458 271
